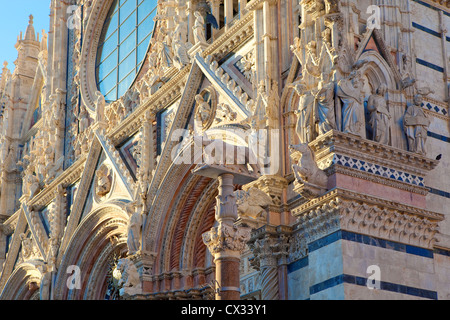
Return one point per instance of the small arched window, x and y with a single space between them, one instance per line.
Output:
123 45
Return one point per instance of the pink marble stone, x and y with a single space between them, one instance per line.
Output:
377 190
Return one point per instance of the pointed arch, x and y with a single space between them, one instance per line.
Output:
96 239
378 70
23 284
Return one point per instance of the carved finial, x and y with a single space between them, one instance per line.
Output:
31 19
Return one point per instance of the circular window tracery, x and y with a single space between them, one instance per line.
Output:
123 45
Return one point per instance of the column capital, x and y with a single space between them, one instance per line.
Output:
270 246
227 240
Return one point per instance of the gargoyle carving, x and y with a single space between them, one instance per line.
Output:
310 180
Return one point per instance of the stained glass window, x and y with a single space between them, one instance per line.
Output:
123 45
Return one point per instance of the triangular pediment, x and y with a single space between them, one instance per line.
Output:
236 97
373 41
105 178
22 245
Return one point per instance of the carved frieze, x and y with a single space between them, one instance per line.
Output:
346 210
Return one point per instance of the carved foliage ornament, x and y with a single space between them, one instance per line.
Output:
372 220
226 238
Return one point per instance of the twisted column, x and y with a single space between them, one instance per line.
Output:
269 247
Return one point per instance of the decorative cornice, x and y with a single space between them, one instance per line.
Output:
161 99
336 141
67 177
338 152
345 210
240 32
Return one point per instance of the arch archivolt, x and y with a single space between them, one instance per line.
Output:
100 234
174 221
23 282
172 185
198 222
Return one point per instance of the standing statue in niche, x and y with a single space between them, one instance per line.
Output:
199 28
325 105
379 115
304 113
349 91
100 104
179 46
416 124
203 111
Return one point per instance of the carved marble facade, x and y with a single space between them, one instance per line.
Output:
263 150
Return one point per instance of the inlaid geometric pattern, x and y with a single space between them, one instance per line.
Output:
378 170
435 108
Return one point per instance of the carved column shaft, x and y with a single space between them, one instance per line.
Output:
269 272
228 8
227 241
270 248
226 208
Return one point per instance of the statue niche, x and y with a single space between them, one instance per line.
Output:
379 115
349 91
416 124
103 181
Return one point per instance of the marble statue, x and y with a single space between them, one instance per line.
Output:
251 203
349 90
134 232
380 118
416 124
304 113
199 28
100 107
326 119
103 178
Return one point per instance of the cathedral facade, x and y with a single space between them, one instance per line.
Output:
227 149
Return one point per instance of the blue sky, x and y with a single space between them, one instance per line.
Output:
14 18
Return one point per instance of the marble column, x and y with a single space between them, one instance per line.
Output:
270 245
227 241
